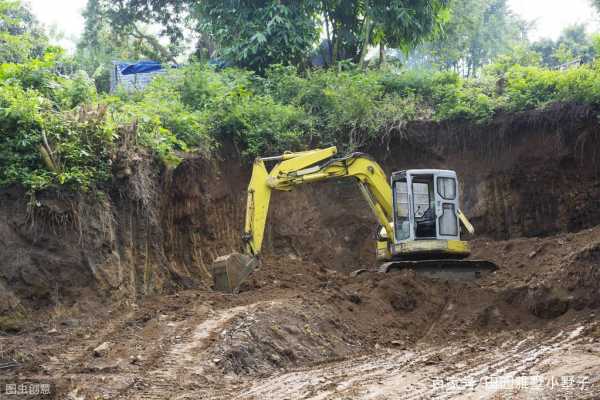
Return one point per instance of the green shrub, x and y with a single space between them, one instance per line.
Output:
41 146
282 83
80 89
21 126
580 85
260 125
348 108
53 132
530 87
419 82
201 107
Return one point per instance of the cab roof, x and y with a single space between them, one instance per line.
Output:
445 172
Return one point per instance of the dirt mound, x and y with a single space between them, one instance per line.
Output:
283 336
334 317
580 276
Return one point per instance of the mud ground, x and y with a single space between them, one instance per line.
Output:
300 331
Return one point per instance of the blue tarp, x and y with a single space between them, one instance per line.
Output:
141 67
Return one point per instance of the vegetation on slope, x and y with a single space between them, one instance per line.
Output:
58 129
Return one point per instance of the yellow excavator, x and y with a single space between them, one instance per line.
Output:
417 211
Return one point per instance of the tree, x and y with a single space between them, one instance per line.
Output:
353 25
257 33
21 37
400 24
478 31
572 44
127 20
546 48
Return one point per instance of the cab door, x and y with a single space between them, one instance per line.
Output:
446 205
403 219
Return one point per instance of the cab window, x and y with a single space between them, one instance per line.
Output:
446 188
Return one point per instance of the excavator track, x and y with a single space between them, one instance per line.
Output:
443 269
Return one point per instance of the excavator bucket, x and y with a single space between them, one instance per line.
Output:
452 270
230 271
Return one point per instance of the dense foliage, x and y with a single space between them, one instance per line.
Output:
574 44
53 133
483 32
42 139
257 33
57 129
20 35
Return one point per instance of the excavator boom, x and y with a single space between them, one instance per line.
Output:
293 169
312 166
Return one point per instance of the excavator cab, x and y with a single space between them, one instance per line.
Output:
425 205
427 227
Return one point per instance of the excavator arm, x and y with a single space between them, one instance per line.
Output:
295 169
290 170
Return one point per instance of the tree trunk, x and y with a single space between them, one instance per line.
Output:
381 54
365 44
329 41
336 47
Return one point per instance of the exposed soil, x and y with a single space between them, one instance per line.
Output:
106 294
299 331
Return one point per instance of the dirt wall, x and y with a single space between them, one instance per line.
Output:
529 174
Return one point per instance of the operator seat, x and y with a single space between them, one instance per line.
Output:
425 225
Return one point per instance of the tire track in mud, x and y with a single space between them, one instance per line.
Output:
410 374
186 364
316 383
522 356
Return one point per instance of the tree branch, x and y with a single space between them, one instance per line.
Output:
154 43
